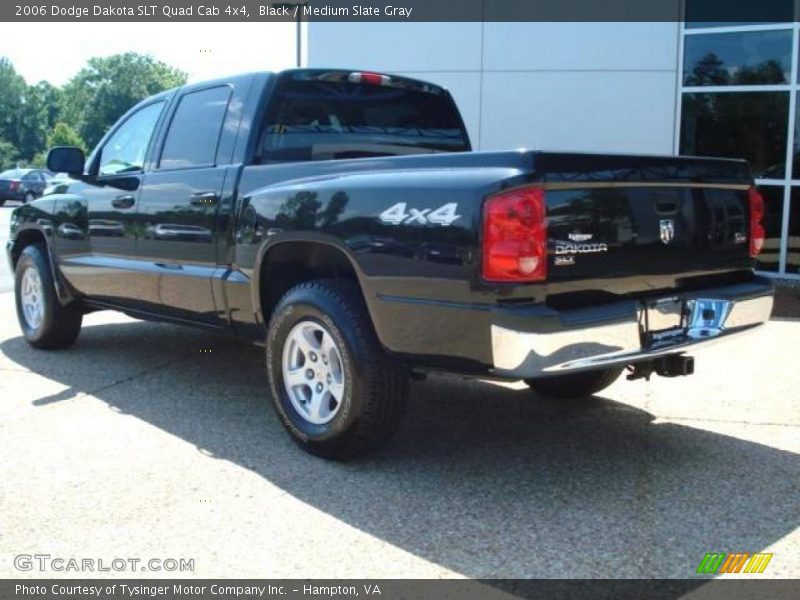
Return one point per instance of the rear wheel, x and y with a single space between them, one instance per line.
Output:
335 390
2 201
575 385
45 322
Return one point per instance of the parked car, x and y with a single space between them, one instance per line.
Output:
359 240
24 185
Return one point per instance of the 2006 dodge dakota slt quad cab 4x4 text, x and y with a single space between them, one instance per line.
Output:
340 219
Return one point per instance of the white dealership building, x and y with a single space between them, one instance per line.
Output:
666 87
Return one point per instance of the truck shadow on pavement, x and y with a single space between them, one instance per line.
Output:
488 481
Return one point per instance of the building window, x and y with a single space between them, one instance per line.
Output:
738 58
739 87
738 125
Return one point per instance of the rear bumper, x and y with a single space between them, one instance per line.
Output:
540 341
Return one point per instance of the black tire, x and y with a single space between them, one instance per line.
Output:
59 325
2 201
575 385
29 197
375 388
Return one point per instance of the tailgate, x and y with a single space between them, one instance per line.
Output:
653 224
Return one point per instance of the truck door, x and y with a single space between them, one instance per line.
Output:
179 205
96 233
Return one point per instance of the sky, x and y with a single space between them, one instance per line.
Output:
44 51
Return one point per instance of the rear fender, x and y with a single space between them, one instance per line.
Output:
330 241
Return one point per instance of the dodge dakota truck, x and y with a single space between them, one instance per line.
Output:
340 220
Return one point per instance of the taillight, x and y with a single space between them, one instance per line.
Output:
757 233
13 185
515 236
369 78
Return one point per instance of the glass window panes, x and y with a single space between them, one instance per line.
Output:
738 125
793 245
125 150
769 259
742 58
194 132
716 13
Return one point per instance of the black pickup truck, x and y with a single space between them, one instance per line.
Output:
339 219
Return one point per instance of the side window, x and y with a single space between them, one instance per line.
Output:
126 148
194 132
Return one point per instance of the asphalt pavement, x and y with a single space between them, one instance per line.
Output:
149 440
155 441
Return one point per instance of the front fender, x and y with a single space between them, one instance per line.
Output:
34 223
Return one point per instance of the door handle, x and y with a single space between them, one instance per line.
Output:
204 199
123 201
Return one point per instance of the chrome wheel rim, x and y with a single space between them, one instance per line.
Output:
312 372
31 298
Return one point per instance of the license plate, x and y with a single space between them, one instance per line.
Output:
664 322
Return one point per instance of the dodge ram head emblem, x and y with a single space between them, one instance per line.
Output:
667 230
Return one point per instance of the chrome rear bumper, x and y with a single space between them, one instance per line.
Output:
617 334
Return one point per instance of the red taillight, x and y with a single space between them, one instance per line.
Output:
757 233
13 185
515 236
369 78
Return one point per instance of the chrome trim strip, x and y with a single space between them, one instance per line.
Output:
568 185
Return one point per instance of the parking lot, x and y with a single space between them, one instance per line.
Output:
149 440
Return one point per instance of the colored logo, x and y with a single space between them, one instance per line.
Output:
667 230
734 562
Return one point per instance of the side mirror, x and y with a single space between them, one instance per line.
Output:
66 159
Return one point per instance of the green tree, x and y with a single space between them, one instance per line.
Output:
61 135
8 155
107 87
12 93
31 124
64 135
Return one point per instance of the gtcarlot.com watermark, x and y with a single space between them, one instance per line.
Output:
47 562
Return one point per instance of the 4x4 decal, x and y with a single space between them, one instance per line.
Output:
397 215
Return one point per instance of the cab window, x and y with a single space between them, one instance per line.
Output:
125 150
195 129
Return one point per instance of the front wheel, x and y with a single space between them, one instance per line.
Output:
44 321
332 385
29 197
575 385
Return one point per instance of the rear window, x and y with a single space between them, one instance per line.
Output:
325 120
12 174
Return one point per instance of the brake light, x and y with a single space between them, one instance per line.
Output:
369 78
13 185
757 232
515 236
